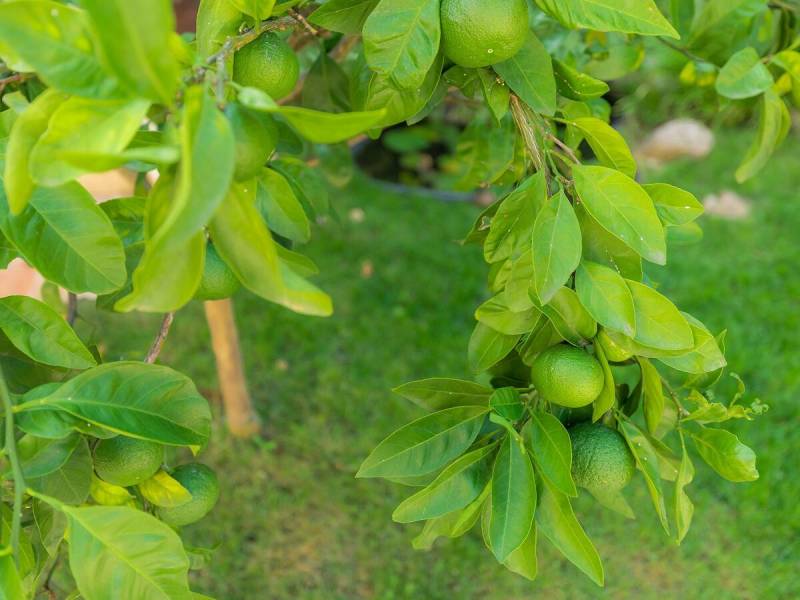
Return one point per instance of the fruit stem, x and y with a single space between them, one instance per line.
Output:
11 450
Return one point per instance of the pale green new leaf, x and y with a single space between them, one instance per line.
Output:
773 126
573 84
522 560
557 522
705 355
556 246
607 144
659 324
623 208
529 73
401 39
282 210
440 393
426 444
513 498
11 587
217 20
647 461
488 347
674 205
724 453
604 294
569 317
331 128
683 507
258 9
652 394
512 224
163 490
497 315
551 448
743 76
42 334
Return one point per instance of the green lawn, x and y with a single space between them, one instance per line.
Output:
294 523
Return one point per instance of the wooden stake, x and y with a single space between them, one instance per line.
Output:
240 416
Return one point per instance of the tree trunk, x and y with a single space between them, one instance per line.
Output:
239 414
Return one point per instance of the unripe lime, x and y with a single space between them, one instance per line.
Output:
218 280
479 33
202 484
613 351
255 135
601 459
267 63
127 461
567 376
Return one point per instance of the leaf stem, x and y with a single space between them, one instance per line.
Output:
11 450
72 308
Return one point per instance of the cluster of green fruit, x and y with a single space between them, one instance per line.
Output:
126 462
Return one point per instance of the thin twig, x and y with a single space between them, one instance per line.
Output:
305 24
15 78
563 146
684 51
72 308
342 49
161 337
16 468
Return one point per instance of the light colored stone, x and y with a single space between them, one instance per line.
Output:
675 139
727 204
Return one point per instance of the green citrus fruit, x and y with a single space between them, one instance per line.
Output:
255 135
218 280
267 63
613 351
479 33
567 376
202 484
127 461
601 459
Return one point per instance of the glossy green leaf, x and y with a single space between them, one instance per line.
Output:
217 20
557 522
163 490
426 444
652 395
42 456
659 324
569 317
556 247
773 126
573 84
647 461
282 210
602 247
743 76
551 448
623 208
453 524
326 87
607 143
683 507
83 126
487 347
146 401
674 205
42 334
724 453
11 587
518 283
522 560
26 131
258 9
440 393
513 498
507 403
705 355
607 398
67 238
497 315
70 482
495 93
135 41
604 294
401 39
455 488
56 41
529 73
513 223
344 16
127 217
627 16
331 128
127 551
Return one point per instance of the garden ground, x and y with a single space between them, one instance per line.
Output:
294 523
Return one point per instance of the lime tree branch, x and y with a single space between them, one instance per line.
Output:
16 468
161 337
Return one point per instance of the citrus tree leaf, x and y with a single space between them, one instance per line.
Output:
627 16
453 524
331 128
573 84
217 20
647 461
517 297
607 144
343 16
556 246
401 39
71 481
146 401
604 294
683 507
652 394
512 224
513 498
108 494
724 453
42 456
439 393
705 355
569 317
258 9
522 560
487 347
529 73
11 587
551 448
602 247
126 550
557 522
497 315
622 207
426 444
743 76
42 334
282 210
674 205
67 238
659 324
454 488
607 398
773 126
135 41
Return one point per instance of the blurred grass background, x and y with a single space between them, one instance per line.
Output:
294 523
